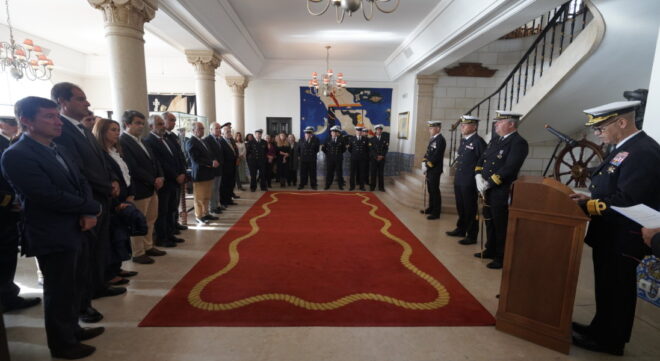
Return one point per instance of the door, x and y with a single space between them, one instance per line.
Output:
276 125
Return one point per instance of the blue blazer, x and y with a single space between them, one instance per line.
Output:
52 198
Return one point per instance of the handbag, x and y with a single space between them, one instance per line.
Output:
648 280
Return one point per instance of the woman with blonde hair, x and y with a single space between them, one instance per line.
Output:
283 152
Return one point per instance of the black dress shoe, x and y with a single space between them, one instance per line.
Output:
589 343
371 189
362 189
73 352
217 210
119 282
20 303
486 255
495 264
433 216
209 217
301 187
580 328
143 259
253 189
341 188
90 315
455 233
176 231
237 197
232 203
88 333
381 189
201 221
177 239
154 252
109 292
124 273
181 227
467 241
166 244
351 188
326 188
314 187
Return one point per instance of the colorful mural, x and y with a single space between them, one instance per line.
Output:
350 107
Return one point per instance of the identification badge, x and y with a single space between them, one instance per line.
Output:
470 146
619 158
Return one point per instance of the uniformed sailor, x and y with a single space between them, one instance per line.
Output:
628 176
334 148
256 151
432 167
308 147
378 147
469 151
358 146
496 170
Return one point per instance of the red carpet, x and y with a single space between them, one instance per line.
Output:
318 259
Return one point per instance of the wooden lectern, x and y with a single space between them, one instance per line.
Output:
541 263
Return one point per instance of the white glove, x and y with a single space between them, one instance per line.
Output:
424 167
480 183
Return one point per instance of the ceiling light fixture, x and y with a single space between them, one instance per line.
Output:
330 84
350 6
26 60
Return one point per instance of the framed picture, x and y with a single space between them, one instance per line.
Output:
404 119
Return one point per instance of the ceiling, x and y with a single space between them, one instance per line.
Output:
283 29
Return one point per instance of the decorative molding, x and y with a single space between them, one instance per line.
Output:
237 84
476 70
204 61
128 13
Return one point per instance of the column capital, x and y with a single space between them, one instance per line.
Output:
204 61
237 84
127 13
425 85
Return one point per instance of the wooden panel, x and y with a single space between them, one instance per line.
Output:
544 279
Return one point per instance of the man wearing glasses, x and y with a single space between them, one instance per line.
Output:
627 176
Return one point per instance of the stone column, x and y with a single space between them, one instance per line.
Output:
124 33
238 85
205 63
424 100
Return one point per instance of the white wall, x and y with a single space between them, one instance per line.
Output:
405 100
652 115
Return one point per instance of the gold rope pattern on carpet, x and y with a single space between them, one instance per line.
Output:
195 299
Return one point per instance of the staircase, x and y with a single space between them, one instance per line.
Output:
555 32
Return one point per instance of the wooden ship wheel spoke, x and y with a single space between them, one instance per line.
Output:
573 170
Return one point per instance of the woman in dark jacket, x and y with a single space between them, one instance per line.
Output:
283 153
107 133
271 154
292 178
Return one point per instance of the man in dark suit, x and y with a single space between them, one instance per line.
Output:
87 153
256 151
57 208
229 159
432 166
170 124
147 179
378 147
9 216
173 177
496 170
628 176
358 146
203 170
308 147
334 148
213 143
469 151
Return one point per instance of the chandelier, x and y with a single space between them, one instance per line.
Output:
26 60
330 84
350 6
